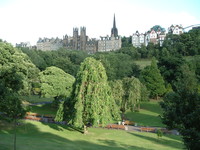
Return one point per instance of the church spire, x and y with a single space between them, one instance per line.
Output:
114 31
114 24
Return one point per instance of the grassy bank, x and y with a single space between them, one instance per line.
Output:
34 135
148 114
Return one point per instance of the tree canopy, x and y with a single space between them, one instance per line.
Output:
181 109
128 93
153 80
56 83
92 97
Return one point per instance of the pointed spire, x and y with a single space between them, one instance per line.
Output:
114 23
114 31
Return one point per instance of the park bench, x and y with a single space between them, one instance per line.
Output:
146 129
115 126
127 122
31 114
33 118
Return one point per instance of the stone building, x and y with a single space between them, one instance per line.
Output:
24 44
111 43
83 42
80 42
47 44
139 39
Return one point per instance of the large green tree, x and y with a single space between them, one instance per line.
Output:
92 97
14 73
56 83
182 109
153 80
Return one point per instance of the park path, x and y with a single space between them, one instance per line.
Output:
138 129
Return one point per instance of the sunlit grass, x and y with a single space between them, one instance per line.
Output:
149 114
143 63
34 135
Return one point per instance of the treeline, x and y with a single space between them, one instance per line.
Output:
186 44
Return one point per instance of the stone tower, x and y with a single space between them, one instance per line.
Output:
83 38
114 31
75 39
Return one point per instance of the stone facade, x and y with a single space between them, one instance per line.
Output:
112 43
47 44
23 44
106 44
80 42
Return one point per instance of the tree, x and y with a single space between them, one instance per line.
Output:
170 67
13 73
56 83
117 91
181 109
118 65
92 97
128 93
153 80
132 95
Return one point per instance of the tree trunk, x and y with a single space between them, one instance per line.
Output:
85 129
123 116
139 106
15 134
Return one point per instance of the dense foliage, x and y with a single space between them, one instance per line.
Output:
16 76
56 83
92 97
128 93
182 109
153 80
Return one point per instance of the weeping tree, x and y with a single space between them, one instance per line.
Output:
132 96
128 93
56 83
92 99
117 91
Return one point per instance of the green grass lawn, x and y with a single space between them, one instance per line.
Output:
148 114
32 135
143 63
35 99
46 109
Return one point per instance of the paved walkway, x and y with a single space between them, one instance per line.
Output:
138 129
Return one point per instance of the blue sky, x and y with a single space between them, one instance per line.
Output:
27 20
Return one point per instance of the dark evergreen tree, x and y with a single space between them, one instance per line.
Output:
153 80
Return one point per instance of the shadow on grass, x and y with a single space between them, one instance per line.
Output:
31 137
59 127
165 142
